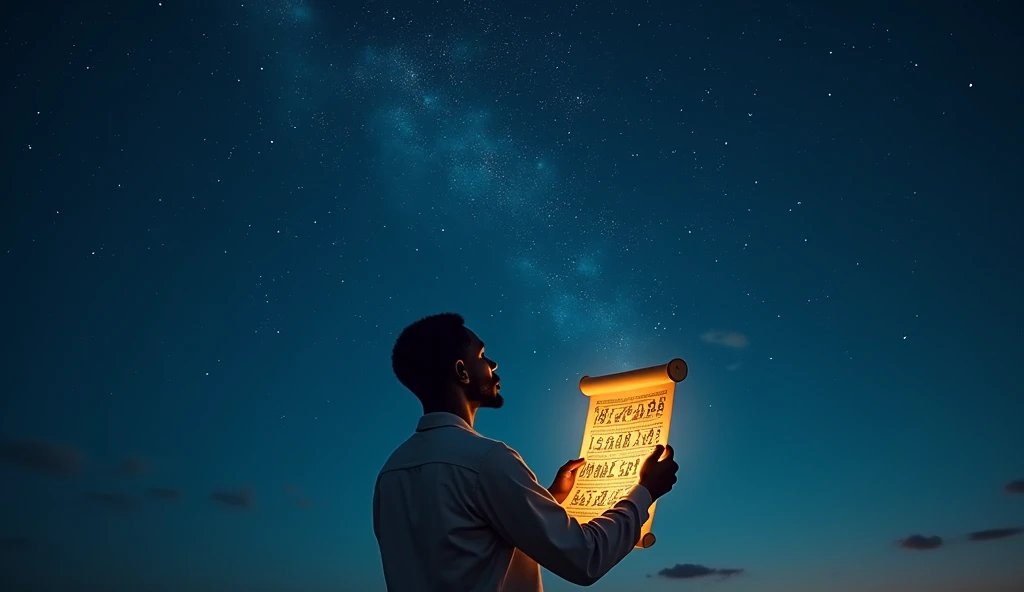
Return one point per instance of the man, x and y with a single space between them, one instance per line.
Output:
454 511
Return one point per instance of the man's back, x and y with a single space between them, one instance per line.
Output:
453 510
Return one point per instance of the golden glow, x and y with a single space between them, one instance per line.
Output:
630 413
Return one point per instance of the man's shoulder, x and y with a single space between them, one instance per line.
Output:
469 449
491 447
497 457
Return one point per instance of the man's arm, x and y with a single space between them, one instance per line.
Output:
524 514
376 509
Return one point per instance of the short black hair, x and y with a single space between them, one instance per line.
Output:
425 351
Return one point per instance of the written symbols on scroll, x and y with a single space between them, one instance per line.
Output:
626 440
629 414
622 433
594 498
604 415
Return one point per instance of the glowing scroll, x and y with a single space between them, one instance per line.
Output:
630 413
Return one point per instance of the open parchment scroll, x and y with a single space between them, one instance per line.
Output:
630 413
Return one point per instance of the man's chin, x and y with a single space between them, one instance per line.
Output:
493 402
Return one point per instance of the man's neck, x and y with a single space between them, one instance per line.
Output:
461 408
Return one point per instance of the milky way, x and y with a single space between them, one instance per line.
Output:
450 156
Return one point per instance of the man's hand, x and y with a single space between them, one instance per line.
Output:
565 479
658 474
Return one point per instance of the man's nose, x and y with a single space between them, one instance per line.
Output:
494 365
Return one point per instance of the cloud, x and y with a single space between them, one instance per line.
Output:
115 501
730 339
165 493
296 492
682 571
42 457
920 542
733 367
15 543
132 467
1015 486
235 499
994 533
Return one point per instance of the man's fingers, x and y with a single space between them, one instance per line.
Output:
659 450
572 465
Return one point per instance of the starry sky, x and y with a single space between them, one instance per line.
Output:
217 217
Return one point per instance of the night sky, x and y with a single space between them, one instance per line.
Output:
217 217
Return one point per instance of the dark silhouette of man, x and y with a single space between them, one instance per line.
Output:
454 511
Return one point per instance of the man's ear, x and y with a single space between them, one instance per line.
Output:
460 371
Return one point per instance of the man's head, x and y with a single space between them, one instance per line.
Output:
443 363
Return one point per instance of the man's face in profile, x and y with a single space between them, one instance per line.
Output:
484 384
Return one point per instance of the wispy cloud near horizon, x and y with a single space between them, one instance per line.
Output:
115 501
165 493
687 571
730 339
921 542
236 499
42 457
994 534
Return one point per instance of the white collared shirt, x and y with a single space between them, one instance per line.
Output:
454 511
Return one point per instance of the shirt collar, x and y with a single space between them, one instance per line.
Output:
440 419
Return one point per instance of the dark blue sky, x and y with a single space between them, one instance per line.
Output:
218 216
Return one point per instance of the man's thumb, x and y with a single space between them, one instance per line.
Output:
658 451
574 464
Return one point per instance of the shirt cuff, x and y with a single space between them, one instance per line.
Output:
642 499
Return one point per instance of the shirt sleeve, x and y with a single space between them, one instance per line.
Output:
523 512
376 509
